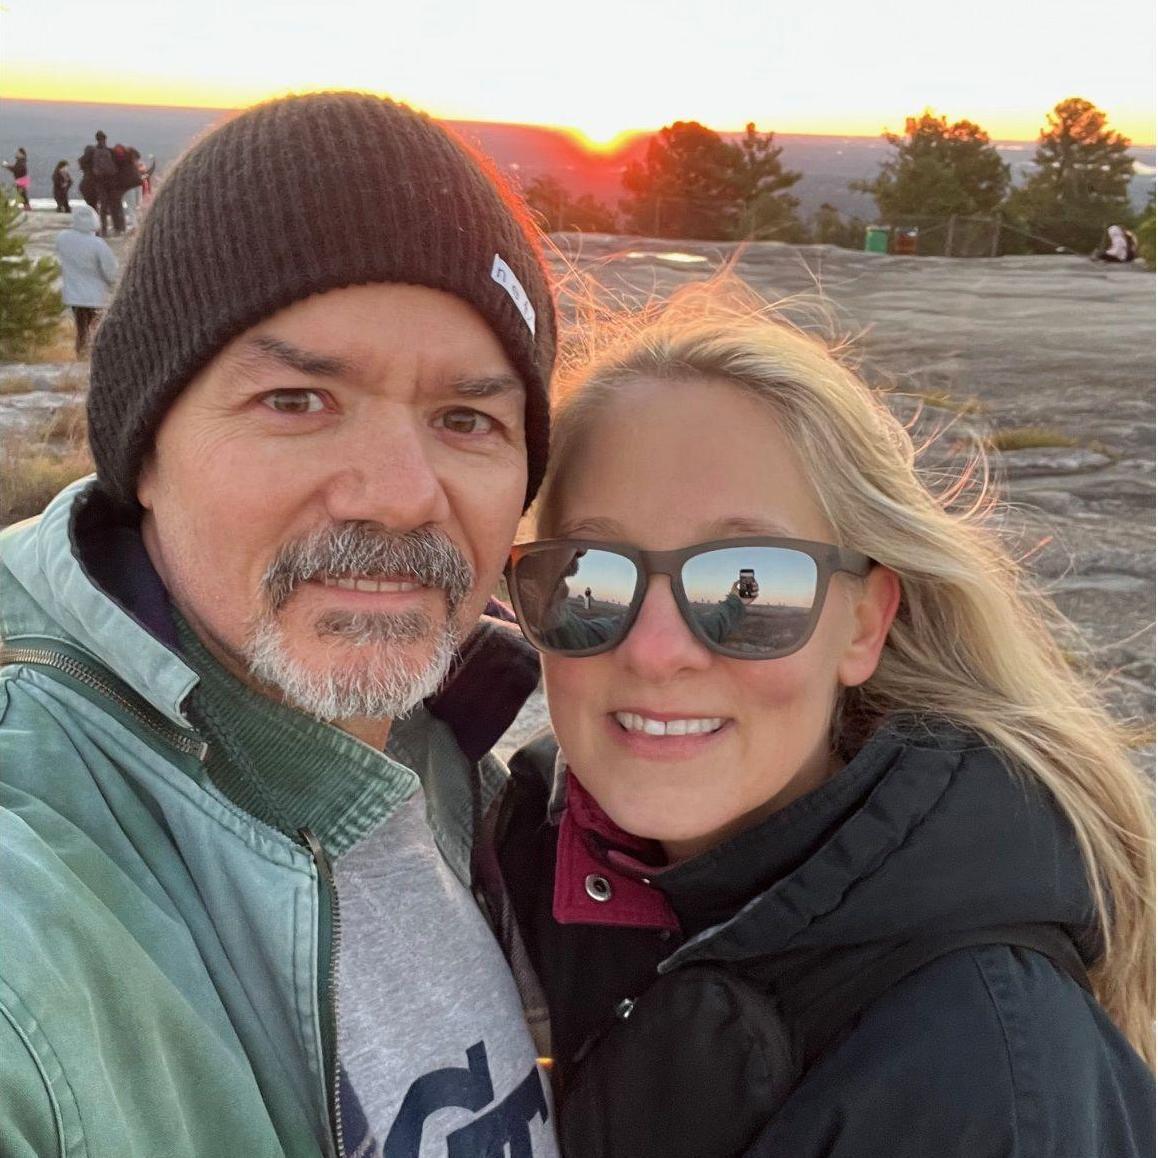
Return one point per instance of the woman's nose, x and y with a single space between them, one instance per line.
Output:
660 644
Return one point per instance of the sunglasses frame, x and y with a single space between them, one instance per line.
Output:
828 558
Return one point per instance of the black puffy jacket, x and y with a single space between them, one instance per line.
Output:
987 1051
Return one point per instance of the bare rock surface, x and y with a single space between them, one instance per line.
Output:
968 349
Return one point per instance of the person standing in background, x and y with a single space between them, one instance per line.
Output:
105 184
88 181
146 172
19 169
88 271
61 183
129 171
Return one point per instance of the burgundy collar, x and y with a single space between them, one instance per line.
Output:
602 873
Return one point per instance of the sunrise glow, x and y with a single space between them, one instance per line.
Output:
605 69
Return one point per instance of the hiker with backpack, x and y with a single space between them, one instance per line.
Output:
866 870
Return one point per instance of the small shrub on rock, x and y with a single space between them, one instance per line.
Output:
29 301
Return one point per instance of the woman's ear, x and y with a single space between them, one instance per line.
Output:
874 609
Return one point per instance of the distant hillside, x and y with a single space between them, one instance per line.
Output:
52 131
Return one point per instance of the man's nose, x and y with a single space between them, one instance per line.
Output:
660 645
386 472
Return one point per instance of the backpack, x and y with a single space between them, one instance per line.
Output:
103 162
705 1057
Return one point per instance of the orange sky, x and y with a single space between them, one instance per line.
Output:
841 67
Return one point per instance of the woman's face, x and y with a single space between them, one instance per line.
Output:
666 465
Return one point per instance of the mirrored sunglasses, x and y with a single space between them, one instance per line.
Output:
755 598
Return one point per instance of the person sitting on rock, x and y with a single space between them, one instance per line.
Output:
1121 246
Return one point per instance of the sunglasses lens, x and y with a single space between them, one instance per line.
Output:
572 601
776 589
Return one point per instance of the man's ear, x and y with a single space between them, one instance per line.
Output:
147 480
874 608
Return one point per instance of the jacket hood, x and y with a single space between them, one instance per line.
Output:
925 831
85 219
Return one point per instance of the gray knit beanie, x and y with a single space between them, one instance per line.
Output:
292 198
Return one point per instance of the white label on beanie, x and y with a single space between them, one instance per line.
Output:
505 276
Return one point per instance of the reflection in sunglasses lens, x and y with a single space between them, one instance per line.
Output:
574 600
774 590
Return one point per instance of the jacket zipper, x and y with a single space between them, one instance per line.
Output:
84 674
328 983
189 745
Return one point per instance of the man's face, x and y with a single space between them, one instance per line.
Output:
330 501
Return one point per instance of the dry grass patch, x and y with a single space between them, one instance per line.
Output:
35 466
60 345
66 424
19 384
1030 438
943 400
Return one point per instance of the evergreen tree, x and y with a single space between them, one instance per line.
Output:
684 187
828 227
937 170
694 184
29 301
1145 233
559 211
1080 181
765 210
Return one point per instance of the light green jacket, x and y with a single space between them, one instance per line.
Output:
163 954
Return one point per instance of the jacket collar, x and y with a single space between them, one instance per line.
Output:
48 592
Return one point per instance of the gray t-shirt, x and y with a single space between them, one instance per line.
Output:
431 1034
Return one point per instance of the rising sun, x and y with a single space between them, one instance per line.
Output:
598 137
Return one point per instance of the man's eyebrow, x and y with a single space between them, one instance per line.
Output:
488 387
307 362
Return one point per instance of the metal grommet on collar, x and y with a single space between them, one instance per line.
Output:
598 888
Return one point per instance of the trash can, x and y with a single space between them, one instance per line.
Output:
905 241
876 239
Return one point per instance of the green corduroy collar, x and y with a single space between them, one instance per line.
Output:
286 768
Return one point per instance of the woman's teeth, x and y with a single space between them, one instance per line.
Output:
357 583
697 726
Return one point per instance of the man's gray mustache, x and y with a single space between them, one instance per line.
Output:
423 555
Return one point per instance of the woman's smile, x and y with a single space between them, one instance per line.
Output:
653 735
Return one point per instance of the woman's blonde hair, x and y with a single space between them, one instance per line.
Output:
972 641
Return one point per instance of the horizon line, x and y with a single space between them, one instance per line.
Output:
622 136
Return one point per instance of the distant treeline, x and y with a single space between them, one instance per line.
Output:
944 181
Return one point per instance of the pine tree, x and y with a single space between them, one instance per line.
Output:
693 183
1146 233
684 185
29 301
765 210
937 170
1080 181
558 211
